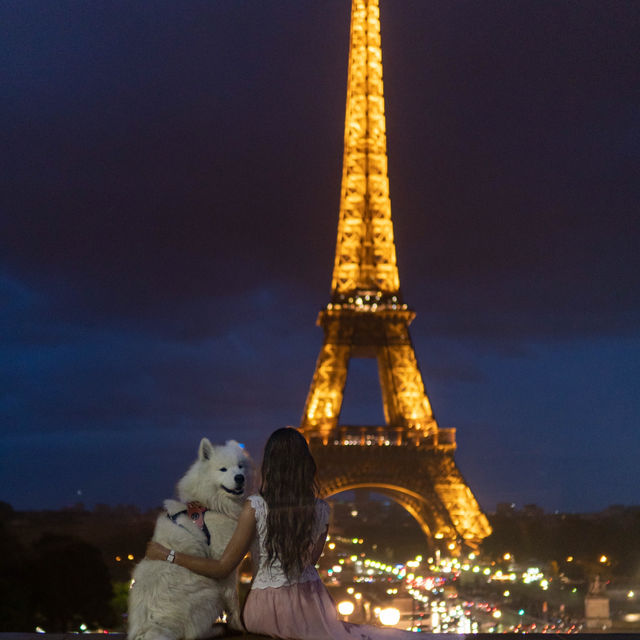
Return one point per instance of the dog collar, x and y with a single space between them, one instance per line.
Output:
195 512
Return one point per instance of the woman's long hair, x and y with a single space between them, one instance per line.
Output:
290 490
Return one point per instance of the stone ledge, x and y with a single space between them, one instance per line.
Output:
103 636
426 636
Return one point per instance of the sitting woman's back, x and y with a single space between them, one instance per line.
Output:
287 597
268 573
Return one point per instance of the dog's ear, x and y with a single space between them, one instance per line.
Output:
205 451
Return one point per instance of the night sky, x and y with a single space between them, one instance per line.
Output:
170 188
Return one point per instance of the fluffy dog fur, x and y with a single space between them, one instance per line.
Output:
169 602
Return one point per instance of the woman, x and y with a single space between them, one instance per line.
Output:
285 526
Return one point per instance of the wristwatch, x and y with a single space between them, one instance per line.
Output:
172 556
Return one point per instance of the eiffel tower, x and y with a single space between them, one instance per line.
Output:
410 458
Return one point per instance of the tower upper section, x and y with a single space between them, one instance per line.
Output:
365 251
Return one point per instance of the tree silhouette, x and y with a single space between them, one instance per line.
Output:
16 614
69 584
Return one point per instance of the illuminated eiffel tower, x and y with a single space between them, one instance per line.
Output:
410 458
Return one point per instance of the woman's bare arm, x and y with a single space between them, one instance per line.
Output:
231 557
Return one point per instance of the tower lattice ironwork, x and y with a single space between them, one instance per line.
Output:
410 458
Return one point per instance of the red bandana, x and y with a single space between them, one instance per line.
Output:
196 512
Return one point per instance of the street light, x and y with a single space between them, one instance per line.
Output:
346 608
389 616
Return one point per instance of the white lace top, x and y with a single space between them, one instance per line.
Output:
271 575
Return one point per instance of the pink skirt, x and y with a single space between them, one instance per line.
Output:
306 611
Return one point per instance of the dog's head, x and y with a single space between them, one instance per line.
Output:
219 478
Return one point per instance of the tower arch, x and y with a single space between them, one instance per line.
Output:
412 502
423 479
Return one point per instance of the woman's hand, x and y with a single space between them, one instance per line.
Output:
155 551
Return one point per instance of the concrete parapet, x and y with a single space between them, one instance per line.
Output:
425 636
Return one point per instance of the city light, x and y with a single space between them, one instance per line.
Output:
533 574
346 608
436 589
389 616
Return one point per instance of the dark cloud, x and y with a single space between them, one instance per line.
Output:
64 375
153 159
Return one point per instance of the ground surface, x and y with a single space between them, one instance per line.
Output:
425 636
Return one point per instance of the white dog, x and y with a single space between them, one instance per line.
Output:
169 602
